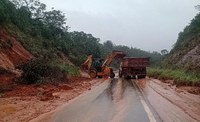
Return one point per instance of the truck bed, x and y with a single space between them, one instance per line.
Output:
135 62
132 67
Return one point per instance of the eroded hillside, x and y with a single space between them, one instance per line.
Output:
12 53
186 51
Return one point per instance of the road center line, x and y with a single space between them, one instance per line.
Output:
146 108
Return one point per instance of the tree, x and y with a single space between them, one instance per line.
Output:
55 18
108 44
34 6
164 52
197 7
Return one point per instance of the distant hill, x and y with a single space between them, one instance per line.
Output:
186 51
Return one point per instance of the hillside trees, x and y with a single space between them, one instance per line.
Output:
6 10
35 7
35 20
45 34
82 45
54 19
164 52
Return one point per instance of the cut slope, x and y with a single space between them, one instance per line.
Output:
186 51
12 53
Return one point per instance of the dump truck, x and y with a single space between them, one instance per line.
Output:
132 67
97 67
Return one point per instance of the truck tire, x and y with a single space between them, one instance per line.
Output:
120 74
128 77
142 76
112 75
100 76
93 73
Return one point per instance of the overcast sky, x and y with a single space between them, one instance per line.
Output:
151 25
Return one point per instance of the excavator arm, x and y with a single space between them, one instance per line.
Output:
113 55
88 63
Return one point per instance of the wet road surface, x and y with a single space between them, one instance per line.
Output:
171 105
115 100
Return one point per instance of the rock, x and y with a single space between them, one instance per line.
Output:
56 94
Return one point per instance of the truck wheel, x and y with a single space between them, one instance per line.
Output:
112 75
120 74
100 76
142 76
128 77
93 73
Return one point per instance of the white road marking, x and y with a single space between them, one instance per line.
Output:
146 108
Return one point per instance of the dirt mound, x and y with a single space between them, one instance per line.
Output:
46 90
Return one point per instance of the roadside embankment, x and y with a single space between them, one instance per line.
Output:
178 76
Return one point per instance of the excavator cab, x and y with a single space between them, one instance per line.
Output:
97 63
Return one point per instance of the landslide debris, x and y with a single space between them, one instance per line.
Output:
12 53
41 98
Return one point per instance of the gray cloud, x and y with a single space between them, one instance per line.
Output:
146 24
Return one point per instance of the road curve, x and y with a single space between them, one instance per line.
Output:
115 100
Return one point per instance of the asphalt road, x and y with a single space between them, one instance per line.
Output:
115 100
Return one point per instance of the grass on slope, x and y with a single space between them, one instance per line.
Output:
179 76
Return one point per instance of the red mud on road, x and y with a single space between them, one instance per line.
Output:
27 102
171 103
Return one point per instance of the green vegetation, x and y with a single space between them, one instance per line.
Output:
39 69
45 34
180 65
180 77
71 70
187 40
155 57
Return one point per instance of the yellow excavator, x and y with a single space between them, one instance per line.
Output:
97 68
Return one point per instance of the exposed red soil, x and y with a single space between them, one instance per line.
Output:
14 52
24 90
6 79
26 102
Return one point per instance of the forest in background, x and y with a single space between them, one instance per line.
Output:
45 34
